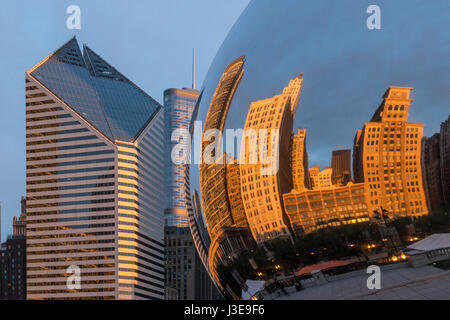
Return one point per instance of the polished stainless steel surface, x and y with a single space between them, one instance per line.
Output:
346 67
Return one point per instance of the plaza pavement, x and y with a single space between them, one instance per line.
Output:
404 283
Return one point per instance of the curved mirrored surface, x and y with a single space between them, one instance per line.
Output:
293 82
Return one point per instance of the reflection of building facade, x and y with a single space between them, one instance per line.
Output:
299 162
226 246
95 166
262 193
340 164
387 157
213 184
436 167
312 210
234 195
314 177
178 107
431 169
324 179
444 144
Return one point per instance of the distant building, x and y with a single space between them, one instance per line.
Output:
340 164
178 107
299 162
387 155
431 170
13 268
19 224
312 210
186 278
13 271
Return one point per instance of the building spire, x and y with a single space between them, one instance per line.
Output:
193 68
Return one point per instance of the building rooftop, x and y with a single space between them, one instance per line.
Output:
95 90
433 242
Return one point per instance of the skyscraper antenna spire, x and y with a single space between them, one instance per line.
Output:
193 68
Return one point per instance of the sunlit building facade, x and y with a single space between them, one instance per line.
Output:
299 162
314 177
95 163
387 155
213 176
312 210
262 192
324 179
234 194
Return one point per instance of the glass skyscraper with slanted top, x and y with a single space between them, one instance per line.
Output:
178 107
95 163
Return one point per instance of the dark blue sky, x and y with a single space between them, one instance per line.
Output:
149 41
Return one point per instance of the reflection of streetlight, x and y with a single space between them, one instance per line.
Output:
260 274
277 267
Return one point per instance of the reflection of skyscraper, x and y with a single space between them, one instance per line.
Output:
436 167
178 107
234 195
431 169
444 144
213 184
94 176
340 163
387 153
262 193
299 162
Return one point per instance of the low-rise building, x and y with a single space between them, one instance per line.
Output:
312 210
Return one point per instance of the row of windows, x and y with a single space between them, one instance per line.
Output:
39 142
81 146
71 155
83 186
82 170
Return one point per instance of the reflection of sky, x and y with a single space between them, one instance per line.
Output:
347 68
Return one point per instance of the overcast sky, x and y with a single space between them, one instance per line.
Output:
149 41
